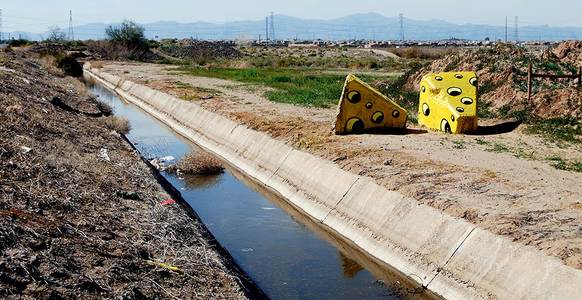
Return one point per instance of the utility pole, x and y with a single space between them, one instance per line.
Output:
272 27
516 30
1 31
71 33
401 18
506 29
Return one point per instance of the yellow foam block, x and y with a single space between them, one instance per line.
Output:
448 102
362 108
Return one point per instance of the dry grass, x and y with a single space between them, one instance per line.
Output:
120 125
103 107
49 62
200 163
97 64
78 86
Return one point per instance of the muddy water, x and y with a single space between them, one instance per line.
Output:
286 254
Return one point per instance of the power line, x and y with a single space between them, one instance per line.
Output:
71 33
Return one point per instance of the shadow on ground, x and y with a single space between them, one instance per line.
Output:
500 128
390 131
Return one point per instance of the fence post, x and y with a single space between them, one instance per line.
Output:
579 76
529 73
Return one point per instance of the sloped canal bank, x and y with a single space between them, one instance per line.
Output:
287 255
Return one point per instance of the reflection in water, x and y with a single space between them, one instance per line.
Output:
201 181
349 266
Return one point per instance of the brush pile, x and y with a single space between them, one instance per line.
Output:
199 52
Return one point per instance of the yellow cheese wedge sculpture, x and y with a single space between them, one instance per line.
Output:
448 102
362 108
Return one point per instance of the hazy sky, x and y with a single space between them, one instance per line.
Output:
37 16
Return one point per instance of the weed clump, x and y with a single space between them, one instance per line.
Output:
104 108
118 124
200 163
69 65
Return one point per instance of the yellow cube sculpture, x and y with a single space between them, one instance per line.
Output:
362 108
448 102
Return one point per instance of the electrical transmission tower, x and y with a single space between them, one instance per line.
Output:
272 27
401 18
516 30
71 33
1 29
506 29
267 29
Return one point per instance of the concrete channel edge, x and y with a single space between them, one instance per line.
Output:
449 256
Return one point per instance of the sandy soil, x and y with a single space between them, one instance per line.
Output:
80 213
500 181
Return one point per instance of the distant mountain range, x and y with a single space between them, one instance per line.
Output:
358 26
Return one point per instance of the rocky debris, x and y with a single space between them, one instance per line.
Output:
74 225
502 72
162 163
200 51
569 52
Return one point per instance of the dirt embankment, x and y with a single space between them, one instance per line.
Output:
80 213
502 73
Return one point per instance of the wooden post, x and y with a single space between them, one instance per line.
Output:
579 76
529 73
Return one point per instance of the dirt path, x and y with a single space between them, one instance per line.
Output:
80 213
381 52
501 182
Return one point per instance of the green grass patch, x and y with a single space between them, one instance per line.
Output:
557 129
498 148
561 164
525 154
481 142
294 86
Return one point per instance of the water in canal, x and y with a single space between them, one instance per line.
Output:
284 253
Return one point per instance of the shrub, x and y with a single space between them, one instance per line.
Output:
49 62
120 125
128 34
104 108
124 41
69 65
56 35
19 43
200 163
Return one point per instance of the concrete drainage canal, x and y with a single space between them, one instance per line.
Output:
286 254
